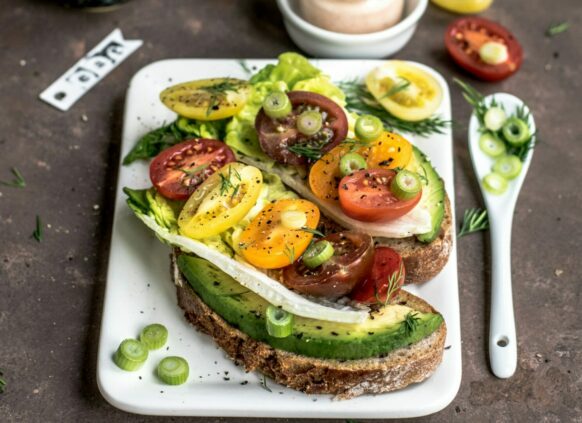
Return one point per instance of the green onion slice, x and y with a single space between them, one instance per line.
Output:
494 183
154 336
351 162
277 105
317 254
494 53
173 370
309 122
130 355
279 322
491 145
406 185
516 131
368 127
507 166
494 118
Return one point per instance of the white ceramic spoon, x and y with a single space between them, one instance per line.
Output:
502 338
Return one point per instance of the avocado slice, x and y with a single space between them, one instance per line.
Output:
434 192
384 330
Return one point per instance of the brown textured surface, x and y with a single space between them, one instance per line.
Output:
344 379
51 293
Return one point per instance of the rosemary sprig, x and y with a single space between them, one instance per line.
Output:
313 231
474 220
556 29
392 288
401 86
2 382
361 101
354 144
37 233
264 383
475 99
17 182
245 67
410 322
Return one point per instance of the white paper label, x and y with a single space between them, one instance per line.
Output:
88 71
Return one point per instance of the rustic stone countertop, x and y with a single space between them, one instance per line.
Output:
51 292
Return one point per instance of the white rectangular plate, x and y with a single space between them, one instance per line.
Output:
139 290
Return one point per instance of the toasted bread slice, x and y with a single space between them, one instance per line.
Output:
342 378
424 261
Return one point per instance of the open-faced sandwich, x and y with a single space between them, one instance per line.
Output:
294 223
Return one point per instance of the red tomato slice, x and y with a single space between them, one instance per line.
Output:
366 195
275 135
387 271
463 39
177 171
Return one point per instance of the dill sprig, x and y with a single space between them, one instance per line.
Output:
401 86
37 233
354 144
361 101
227 184
2 382
245 67
556 29
474 220
218 93
290 253
17 182
309 151
313 231
392 288
410 322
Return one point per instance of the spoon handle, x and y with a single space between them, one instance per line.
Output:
502 338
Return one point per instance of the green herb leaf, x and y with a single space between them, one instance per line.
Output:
37 234
290 253
556 29
401 86
245 67
309 151
313 231
2 382
264 383
17 182
474 220
410 322
361 101
392 288
152 143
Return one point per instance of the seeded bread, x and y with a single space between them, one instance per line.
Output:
424 261
343 379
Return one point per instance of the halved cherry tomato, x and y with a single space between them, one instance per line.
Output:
207 99
351 262
366 195
389 151
465 36
268 244
276 135
387 273
221 201
177 171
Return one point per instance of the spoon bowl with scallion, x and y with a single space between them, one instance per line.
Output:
501 141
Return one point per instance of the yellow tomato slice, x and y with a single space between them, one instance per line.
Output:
269 244
388 151
405 90
221 201
464 6
207 99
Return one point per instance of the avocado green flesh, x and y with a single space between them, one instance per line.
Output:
433 195
245 310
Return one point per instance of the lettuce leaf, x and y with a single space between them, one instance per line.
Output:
291 68
321 84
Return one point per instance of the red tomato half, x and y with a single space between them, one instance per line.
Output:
275 135
465 36
366 195
177 171
388 269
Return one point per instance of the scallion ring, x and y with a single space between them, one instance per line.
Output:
494 183
351 162
516 131
130 355
508 166
277 105
317 254
406 185
309 122
368 127
279 322
173 370
494 118
154 336
491 145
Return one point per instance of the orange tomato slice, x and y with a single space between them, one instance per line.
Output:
269 244
388 151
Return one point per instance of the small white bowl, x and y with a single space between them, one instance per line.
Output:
322 43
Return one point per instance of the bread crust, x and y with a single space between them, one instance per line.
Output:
342 378
424 261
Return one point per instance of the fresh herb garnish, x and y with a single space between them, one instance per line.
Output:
2 382
361 101
218 93
475 99
264 383
227 184
37 234
195 170
410 322
17 182
556 29
401 86
313 231
354 144
474 220
290 253
152 143
245 67
393 286
309 151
